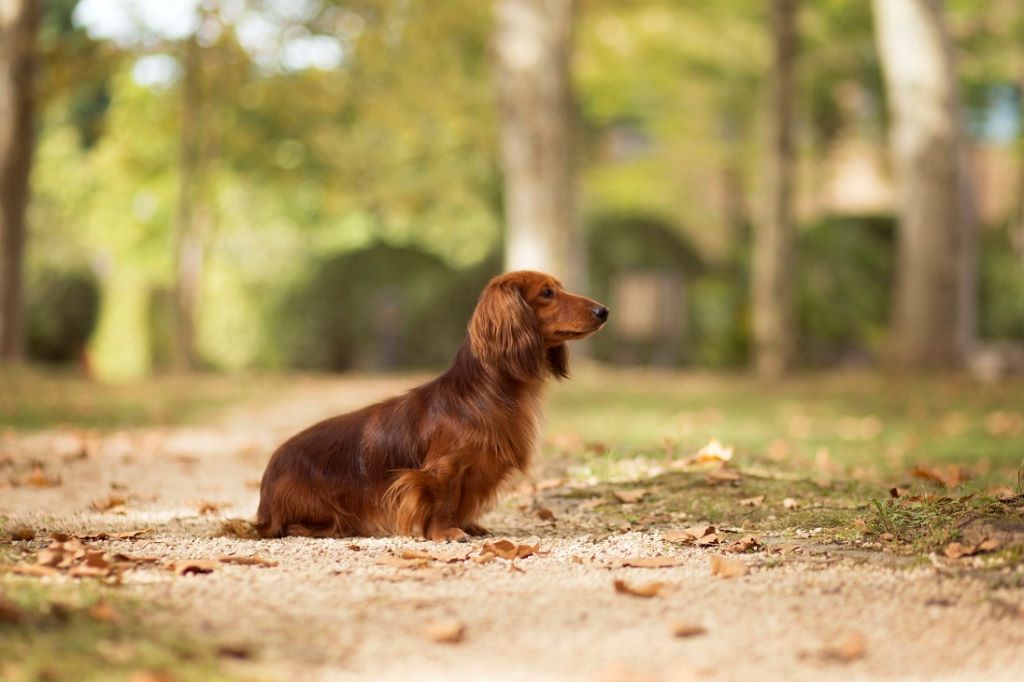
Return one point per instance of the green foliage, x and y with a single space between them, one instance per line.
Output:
843 285
1002 289
62 313
720 304
380 307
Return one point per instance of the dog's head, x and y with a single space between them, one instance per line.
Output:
523 320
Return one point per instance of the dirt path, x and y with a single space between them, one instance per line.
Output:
354 609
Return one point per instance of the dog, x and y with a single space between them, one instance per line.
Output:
430 462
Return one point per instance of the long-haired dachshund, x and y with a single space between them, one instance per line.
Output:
430 462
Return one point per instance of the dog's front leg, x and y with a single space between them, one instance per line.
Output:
442 524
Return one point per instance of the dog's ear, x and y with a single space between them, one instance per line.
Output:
558 361
504 332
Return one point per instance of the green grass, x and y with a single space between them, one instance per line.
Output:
57 633
864 425
38 398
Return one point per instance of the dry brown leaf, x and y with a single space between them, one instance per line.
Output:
645 590
897 492
545 514
9 612
744 544
206 507
723 475
594 503
723 567
714 451
752 501
196 566
630 496
689 535
506 549
108 503
683 629
955 550
846 648
451 556
445 631
416 554
29 569
653 562
790 503
39 479
403 563
23 533
253 560
103 612
949 476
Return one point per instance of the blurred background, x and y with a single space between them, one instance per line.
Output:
326 185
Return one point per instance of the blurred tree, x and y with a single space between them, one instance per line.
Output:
19 27
771 276
533 40
934 305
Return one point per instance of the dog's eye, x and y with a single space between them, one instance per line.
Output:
547 292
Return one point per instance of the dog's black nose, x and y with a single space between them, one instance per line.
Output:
600 312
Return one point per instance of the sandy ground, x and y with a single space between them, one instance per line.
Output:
343 609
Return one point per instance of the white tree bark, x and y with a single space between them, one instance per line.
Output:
934 305
533 41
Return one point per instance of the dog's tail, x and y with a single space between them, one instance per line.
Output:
410 500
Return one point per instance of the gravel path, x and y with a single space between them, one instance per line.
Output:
355 609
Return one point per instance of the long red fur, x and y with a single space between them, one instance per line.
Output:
430 462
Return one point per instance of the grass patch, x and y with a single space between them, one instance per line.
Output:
87 632
39 398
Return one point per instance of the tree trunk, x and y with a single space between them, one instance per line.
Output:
533 41
934 307
188 242
771 276
19 28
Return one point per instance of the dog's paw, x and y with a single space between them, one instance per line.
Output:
448 535
475 529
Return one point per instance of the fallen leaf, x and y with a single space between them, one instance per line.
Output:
416 554
545 514
238 651
949 476
723 475
846 648
107 503
594 503
9 612
645 590
23 533
752 501
30 569
689 535
955 550
790 503
403 563
897 492
506 549
103 612
194 566
723 567
714 451
445 631
253 560
40 479
630 496
683 629
204 507
744 544
653 562
451 556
